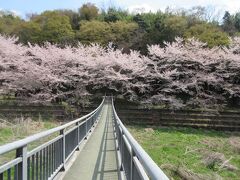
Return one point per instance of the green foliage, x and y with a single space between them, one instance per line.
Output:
228 23
29 32
94 31
123 32
117 25
237 21
150 19
140 21
159 27
9 23
74 17
88 12
103 32
174 26
208 33
113 15
238 34
150 31
55 28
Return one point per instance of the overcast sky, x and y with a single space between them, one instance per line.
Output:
21 7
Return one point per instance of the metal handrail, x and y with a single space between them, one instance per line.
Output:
23 142
49 158
144 161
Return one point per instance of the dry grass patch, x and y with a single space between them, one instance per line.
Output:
217 160
235 143
20 128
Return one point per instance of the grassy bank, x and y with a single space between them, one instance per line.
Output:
10 132
186 153
20 128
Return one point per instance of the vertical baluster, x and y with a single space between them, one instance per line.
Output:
53 158
47 162
60 152
9 176
41 165
131 165
44 163
62 132
50 160
37 170
57 154
66 146
46 154
33 164
16 172
29 168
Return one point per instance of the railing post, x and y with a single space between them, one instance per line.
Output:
78 134
94 118
22 167
132 155
121 149
86 129
62 132
90 121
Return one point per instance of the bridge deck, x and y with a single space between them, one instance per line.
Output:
98 158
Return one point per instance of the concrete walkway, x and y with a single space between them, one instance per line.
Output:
98 158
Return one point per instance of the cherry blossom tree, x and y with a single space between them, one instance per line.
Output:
201 76
184 73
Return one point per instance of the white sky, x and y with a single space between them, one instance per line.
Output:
230 5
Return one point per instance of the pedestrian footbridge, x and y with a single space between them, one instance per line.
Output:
95 146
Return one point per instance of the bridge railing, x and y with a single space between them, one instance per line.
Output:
133 160
47 159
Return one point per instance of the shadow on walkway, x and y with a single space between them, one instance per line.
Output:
106 165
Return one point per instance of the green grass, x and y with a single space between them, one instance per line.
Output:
186 147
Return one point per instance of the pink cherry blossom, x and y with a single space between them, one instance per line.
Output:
183 73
